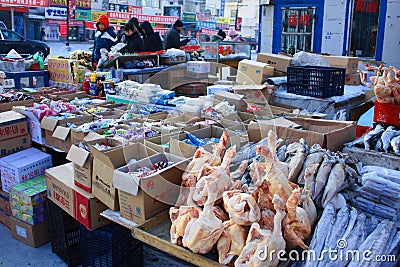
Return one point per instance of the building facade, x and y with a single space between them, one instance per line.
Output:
244 16
368 29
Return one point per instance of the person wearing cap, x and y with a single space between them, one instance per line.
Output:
132 39
220 36
105 37
151 39
172 37
235 36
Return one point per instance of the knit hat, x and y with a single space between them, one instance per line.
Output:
232 32
178 23
103 19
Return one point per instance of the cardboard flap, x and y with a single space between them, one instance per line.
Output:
48 124
91 136
61 132
126 182
8 116
78 155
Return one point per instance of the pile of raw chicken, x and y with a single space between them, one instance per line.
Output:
216 209
386 84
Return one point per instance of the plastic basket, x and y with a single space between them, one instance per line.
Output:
65 235
387 114
321 82
111 245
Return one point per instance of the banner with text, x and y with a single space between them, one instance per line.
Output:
33 3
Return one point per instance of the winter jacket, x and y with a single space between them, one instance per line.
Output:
173 40
152 40
134 43
103 39
216 38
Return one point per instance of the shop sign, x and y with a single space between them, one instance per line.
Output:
83 4
118 8
205 17
33 3
367 6
161 31
189 17
119 16
206 24
222 20
97 14
83 14
135 9
64 22
222 9
58 2
55 13
157 19
208 31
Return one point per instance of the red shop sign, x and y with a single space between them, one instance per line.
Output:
36 3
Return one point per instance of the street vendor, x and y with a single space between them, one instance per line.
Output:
235 37
172 37
105 37
220 36
132 39
152 40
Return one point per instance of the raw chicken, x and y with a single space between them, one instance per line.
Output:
267 220
242 208
180 217
232 241
263 196
202 233
297 226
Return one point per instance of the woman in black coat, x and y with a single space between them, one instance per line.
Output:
132 39
151 39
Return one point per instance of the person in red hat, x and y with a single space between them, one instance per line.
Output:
105 37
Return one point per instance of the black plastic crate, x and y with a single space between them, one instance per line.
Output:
111 245
321 82
65 235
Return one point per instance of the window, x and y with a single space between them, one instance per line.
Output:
297 30
11 36
364 28
233 13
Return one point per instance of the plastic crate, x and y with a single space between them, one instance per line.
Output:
321 82
65 235
111 245
387 114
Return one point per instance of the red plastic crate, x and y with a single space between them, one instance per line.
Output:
387 114
362 130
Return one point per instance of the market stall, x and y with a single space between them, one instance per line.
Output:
226 52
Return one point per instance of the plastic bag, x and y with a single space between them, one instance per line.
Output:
307 59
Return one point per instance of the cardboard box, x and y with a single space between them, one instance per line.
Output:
79 136
32 235
156 193
353 79
254 94
349 63
11 105
240 118
5 219
12 125
234 99
28 200
14 145
329 134
23 166
49 125
60 70
78 203
5 202
278 61
61 138
104 165
37 133
181 149
253 72
198 66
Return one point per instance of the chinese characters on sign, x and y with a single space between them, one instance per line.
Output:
58 13
293 20
83 4
135 9
368 6
36 3
58 2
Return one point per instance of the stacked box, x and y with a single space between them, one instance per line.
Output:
28 201
5 208
23 166
61 70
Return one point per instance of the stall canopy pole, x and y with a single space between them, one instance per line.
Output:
67 41
12 17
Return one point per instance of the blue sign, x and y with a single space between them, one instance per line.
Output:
222 9
206 25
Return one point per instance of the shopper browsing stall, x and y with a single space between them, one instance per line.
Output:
220 36
235 37
132 39
105 37
151 39
172 37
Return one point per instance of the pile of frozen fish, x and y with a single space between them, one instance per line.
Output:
379 193
380 139
350 231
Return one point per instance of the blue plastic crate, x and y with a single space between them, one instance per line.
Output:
29 79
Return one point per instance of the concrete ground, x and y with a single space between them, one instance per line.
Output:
14 253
